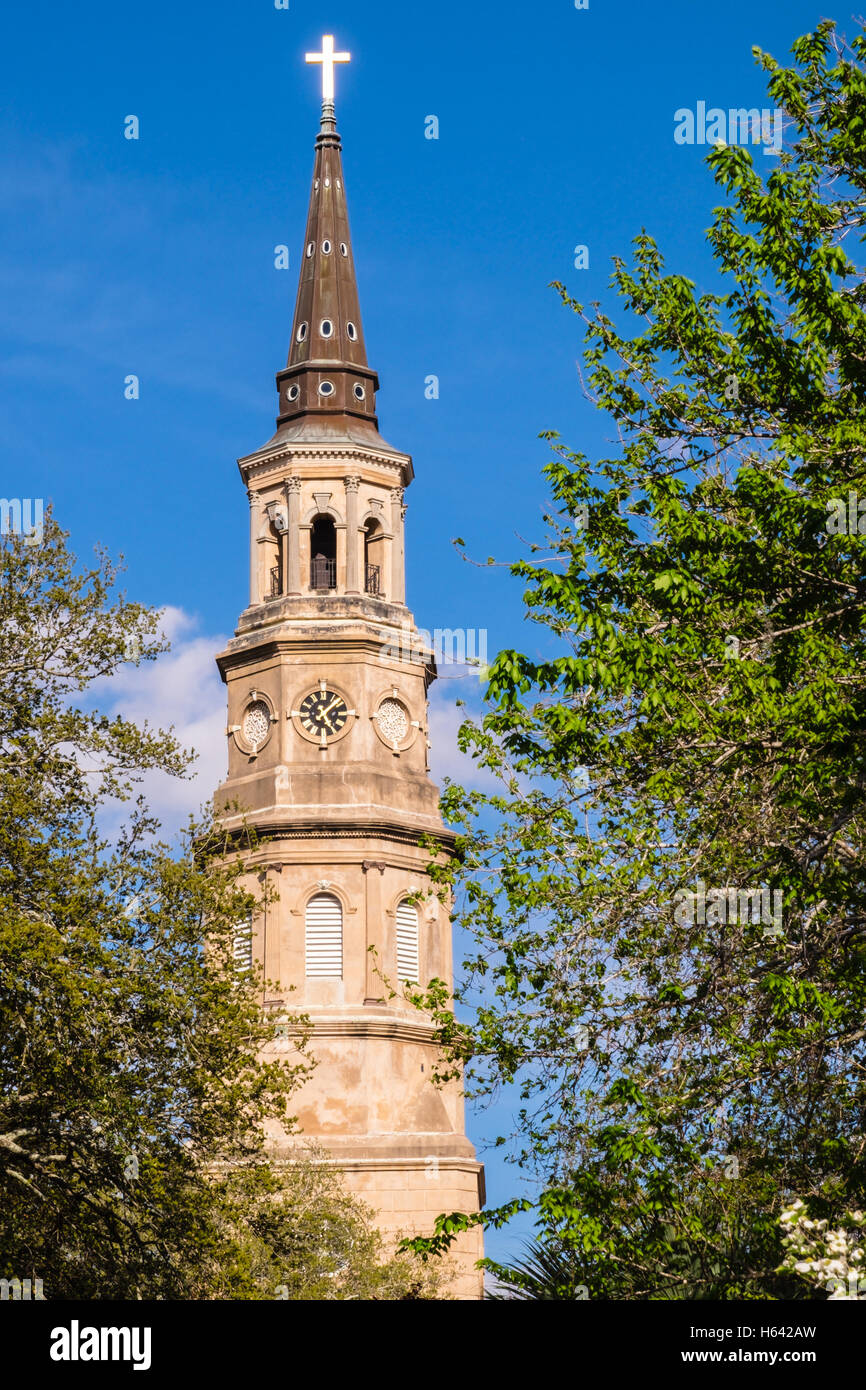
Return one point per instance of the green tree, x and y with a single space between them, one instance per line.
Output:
546 1272
302 1236
132 1094
688 1061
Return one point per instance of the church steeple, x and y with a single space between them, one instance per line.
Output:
327 374
327 734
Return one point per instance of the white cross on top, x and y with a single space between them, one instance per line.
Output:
328 58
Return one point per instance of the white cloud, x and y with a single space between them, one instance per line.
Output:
444 718
183 689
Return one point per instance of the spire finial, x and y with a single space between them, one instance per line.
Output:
328 124
328 58
327 384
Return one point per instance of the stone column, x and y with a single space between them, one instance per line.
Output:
272 943
374 935
398 574
351 484
255 523
292 570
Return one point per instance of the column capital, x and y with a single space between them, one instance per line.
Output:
352 482
293 484
379 864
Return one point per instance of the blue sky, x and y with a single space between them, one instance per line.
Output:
156 257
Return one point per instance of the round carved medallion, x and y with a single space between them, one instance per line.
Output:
393 721
394 724
257 723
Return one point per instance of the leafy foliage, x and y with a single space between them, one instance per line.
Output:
829 1259
681 1075
546 1273
133 1096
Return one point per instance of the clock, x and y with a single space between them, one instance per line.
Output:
322 715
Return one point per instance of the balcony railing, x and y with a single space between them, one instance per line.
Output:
323 573
276 582
371 579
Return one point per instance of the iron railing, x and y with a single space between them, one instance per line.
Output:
371 579
323 573
276 582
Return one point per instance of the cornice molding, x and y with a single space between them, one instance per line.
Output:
380 1163
342 830
308 642
400 1030
254 465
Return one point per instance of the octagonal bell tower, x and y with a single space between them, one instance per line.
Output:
327 743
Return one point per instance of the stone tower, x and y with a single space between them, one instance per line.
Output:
327 745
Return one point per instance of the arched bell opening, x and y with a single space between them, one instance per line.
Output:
274 584
323 553
374 554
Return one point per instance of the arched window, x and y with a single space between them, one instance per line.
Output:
323 554
373 548
324 937
407 942
274 561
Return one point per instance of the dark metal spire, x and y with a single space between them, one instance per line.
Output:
327 372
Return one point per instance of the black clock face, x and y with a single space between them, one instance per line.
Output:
323 713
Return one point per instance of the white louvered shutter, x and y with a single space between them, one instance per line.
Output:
243 944
324 941
407 942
